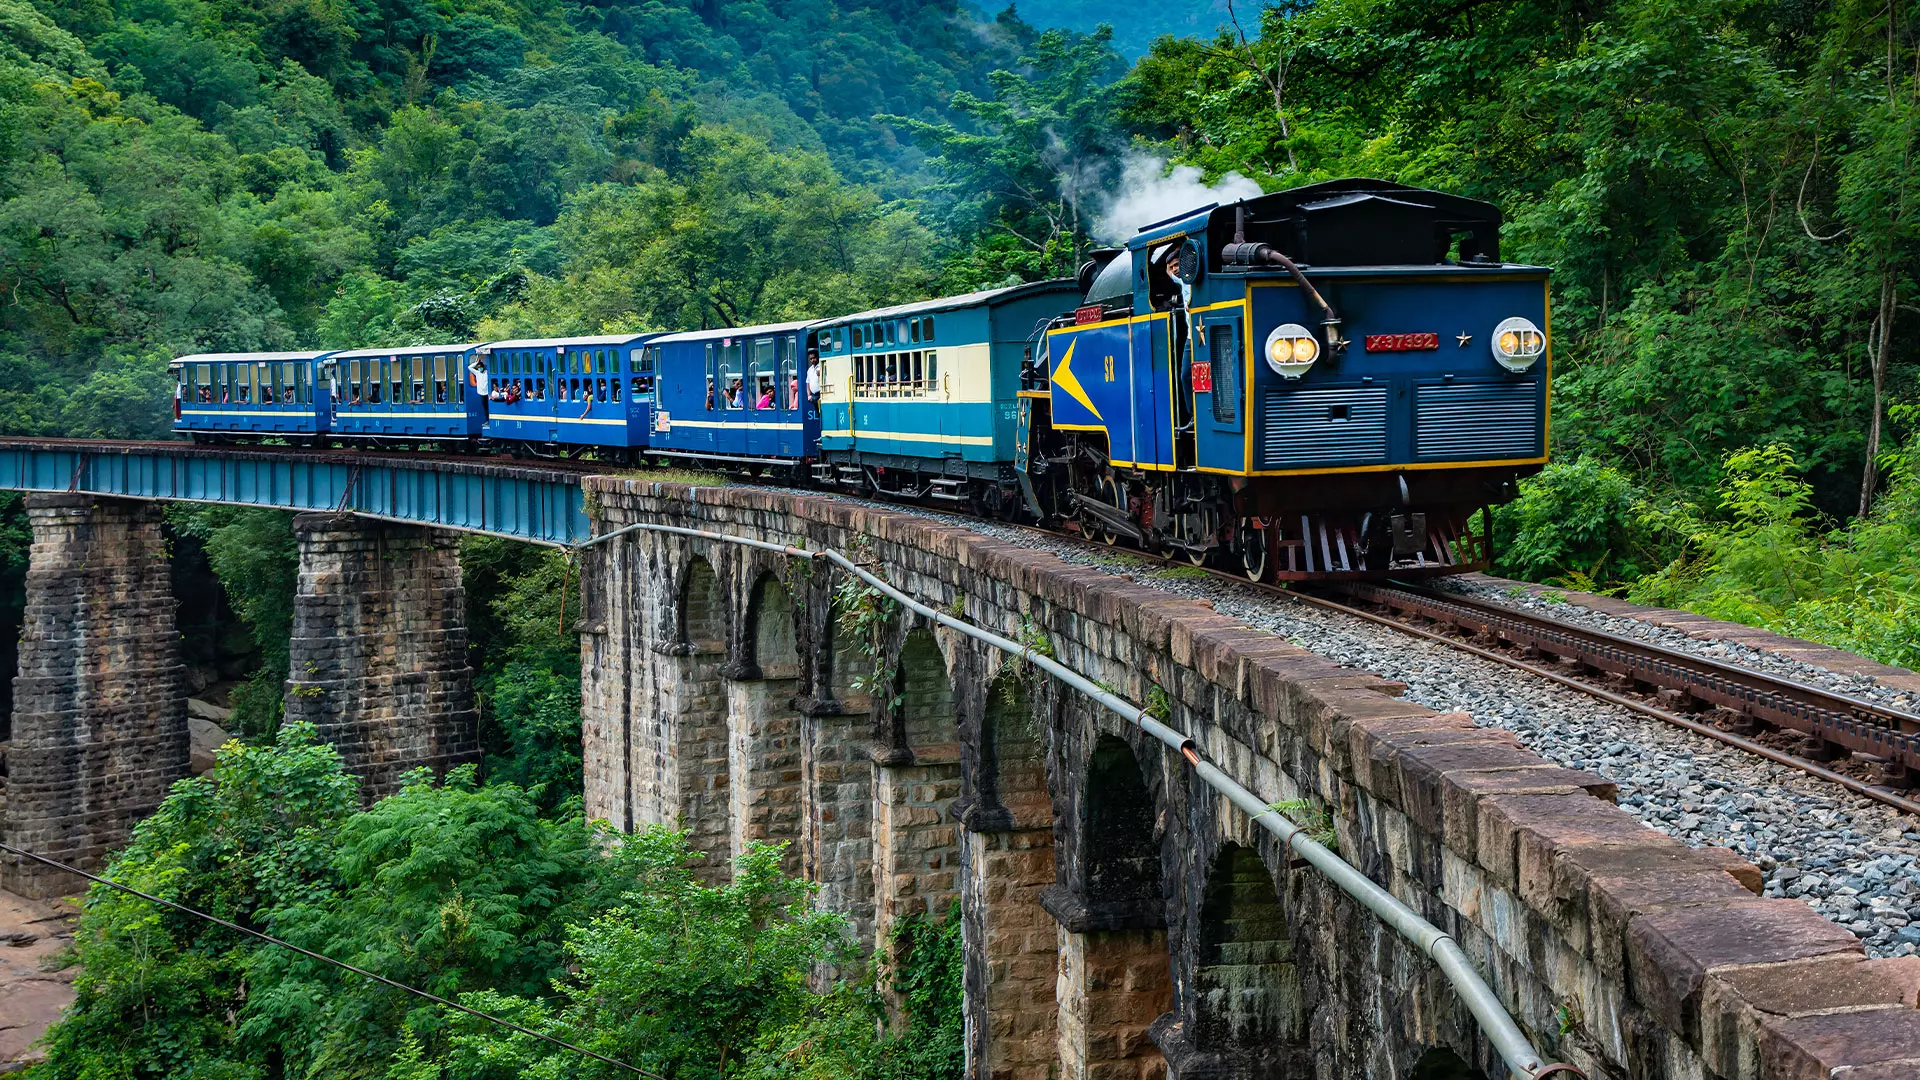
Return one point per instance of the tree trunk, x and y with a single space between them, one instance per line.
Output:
1877 352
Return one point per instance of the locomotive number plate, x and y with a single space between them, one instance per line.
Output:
1203 378
1402 342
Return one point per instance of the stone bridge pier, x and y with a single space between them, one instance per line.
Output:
378 661
379 665
1120 919
100 702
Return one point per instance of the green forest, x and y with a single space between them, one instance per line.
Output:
1725 189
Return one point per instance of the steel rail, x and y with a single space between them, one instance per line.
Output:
1864 726
1858 787
1513 1046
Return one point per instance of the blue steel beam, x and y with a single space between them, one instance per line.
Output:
544 506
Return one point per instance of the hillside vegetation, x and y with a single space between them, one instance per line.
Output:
1726 189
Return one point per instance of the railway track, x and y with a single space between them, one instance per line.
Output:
1750 710
1804 727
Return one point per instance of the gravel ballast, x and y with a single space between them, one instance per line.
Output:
1852 860
1729 652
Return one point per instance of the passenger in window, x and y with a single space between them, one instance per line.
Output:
563 391
266 395
613 386
440 393
766 395
793 392
600 389
709 393
206 394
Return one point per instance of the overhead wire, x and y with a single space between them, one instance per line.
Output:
323 958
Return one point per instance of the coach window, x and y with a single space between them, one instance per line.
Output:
302 386
926 328
933 370
376 379
396 381
913 326
766 363
787 391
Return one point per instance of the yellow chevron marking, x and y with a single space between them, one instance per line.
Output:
1063 378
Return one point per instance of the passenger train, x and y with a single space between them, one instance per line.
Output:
1324 382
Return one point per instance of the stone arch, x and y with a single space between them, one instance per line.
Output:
837 763
1116 974
773 646
1120 853
916 850
1013 756
1246 990
702 609
690 716
839 659
1012 946
924 717
764 727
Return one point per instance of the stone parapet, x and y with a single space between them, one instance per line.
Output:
100 710
1616 947
379 651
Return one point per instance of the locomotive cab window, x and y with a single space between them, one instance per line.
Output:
1223 354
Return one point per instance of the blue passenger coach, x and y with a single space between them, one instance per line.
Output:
570 394
921 398
735 395
412 394
238 397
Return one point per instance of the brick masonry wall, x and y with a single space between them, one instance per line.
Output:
379 650
1616 947
100 710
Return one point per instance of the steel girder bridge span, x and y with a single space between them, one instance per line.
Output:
541 504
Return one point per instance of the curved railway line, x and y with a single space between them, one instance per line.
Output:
1753 711
1862 746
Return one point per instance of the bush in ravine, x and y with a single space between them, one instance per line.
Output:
475 893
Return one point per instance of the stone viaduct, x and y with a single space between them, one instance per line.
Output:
1121 920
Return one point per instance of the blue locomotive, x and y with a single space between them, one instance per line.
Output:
1322 382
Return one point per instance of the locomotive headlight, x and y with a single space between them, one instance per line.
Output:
1517 343
1291 350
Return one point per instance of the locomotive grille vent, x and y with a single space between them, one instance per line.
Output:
1485 420
1324 427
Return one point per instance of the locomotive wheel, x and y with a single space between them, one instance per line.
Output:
1251 539
1107 492
1205 524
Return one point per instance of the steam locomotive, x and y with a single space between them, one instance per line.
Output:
1318 383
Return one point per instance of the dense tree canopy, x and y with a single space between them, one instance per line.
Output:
1726 190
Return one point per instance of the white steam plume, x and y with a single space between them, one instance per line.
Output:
1149 193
